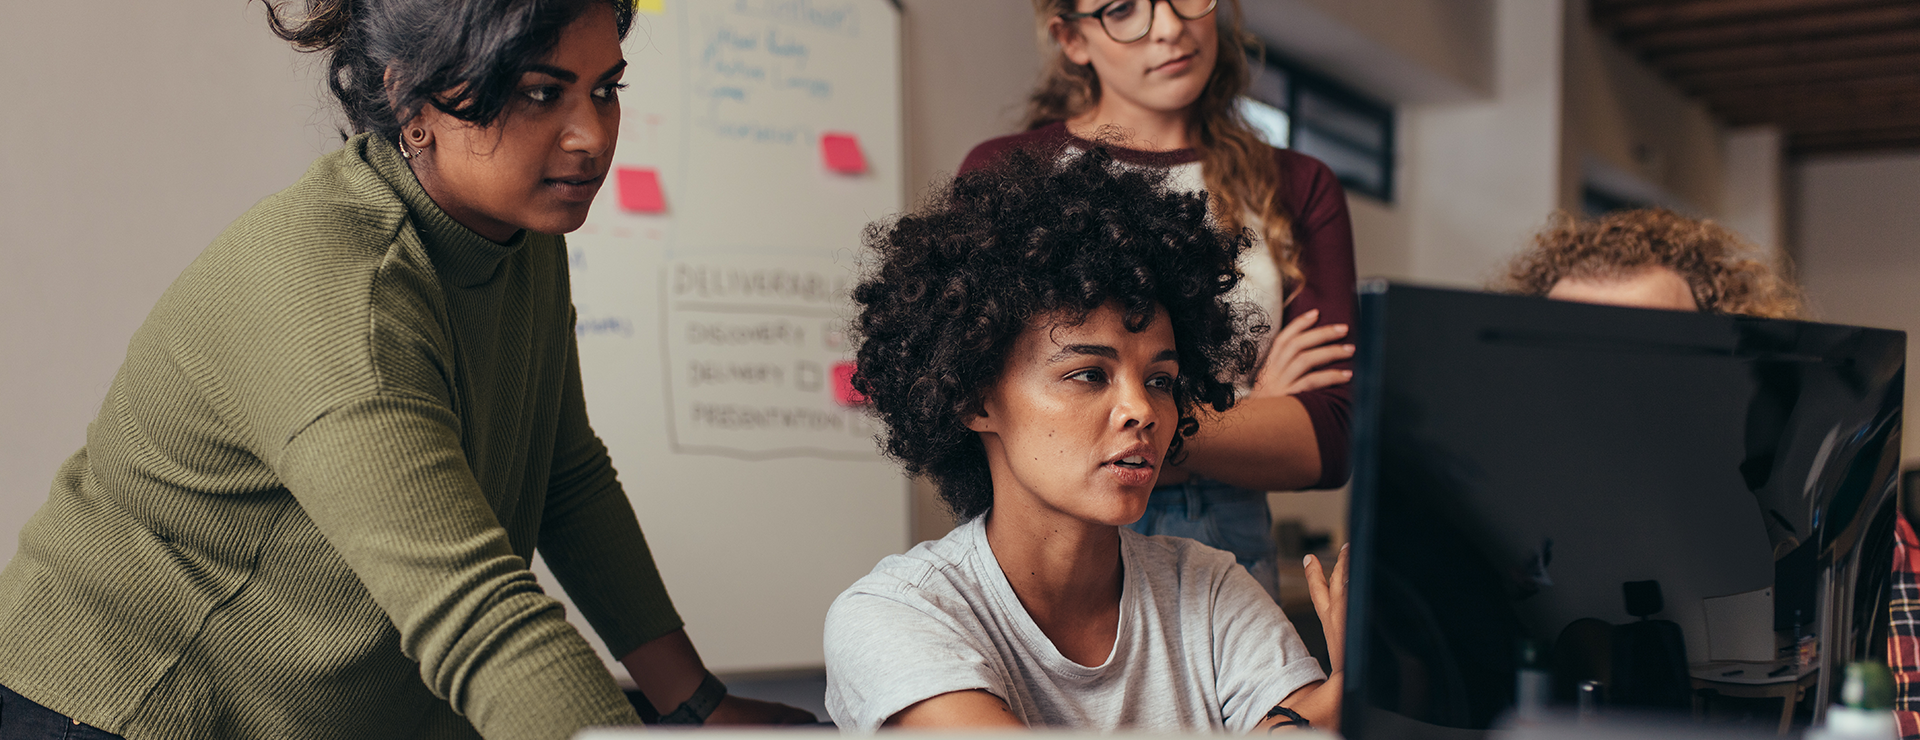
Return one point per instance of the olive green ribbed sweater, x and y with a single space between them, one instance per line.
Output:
307 505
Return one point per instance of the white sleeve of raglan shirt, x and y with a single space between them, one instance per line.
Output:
1260 657
889 646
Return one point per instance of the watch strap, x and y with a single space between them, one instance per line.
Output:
696 709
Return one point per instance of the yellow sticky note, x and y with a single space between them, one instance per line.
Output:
656 7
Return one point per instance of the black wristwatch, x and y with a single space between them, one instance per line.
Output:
1293 719
693 711
696 709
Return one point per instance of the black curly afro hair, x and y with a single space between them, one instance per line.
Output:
949 287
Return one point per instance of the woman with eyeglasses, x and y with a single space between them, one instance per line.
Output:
1159 83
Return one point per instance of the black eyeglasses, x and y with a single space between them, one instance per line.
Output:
1125 22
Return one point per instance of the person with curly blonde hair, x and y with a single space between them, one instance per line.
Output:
1653 258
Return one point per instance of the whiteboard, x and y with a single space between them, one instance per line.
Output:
711 311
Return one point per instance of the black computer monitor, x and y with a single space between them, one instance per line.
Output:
1675 506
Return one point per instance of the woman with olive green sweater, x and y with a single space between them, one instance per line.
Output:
308 503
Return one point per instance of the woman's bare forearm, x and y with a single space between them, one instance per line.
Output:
1319 702
1265 444
666 669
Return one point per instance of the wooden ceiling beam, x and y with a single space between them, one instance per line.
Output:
1631 17
1854 141
1877 132
1840 125
1891 129
1788 52
1834 75
1839 22
1866 94
1774 75
1830 120
1823 118
1784 109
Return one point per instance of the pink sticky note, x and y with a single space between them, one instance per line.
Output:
843 390
640 190
842 152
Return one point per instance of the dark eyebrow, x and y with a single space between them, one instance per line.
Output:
555 72
569 77
1073 350
1101 350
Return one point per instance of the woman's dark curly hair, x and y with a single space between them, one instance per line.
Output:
950 286
388 59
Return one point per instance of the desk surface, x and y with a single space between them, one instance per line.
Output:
1751 672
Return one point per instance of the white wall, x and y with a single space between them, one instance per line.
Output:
1561 104
1754 201
1479 130
969 66
1482 176
1426 56
133 133
1857 236
1623 119
1404 51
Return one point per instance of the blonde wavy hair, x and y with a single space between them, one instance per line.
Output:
1240 173
1727 275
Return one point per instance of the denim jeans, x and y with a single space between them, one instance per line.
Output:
1221 516
21 719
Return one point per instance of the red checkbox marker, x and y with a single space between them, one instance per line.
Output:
843 390
842 153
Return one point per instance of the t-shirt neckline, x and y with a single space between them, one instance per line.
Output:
1168 158
1029 631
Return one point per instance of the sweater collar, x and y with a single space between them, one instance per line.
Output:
464 257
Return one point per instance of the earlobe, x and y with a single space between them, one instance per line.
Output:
415 138
982 419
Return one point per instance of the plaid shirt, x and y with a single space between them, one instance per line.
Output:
1903 640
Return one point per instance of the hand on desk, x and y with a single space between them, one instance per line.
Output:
668 670
739 710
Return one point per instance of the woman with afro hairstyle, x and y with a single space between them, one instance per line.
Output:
308 504
1041 340
1652 258
1167 77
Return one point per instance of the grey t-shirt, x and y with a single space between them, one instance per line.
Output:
1200 647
